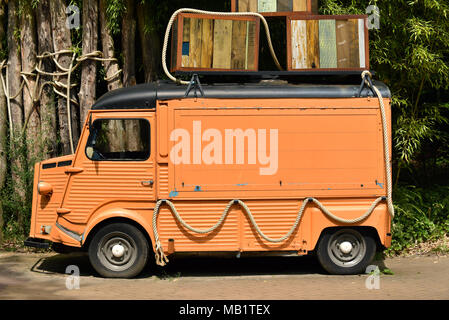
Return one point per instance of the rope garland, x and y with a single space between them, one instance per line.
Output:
162 260
58 87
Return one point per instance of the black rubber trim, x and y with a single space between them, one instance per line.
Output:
49 165
65 163
145 96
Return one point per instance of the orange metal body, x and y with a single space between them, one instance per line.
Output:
330 149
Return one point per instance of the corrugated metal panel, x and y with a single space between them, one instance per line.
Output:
106 181
163 180
200 215
275 219
46 208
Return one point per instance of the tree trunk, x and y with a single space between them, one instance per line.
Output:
149 41
62 41
16 145
111 67
3 110
3 123
47 102
129 71
89 67
14 65
128 44
28 50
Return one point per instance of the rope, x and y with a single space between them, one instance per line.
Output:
62 71
172 20
162 260
389 184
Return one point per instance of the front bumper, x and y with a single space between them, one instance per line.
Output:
36 243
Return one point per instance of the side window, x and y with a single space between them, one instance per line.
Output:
119 140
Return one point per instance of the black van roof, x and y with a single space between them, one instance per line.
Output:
145 96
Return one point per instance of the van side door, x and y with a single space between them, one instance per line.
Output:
114 166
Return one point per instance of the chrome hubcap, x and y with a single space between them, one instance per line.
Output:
118 250
345 247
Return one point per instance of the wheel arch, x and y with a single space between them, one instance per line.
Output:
117 216
366 229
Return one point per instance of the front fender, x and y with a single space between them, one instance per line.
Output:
112 213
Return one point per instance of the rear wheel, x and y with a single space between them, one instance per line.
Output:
346 251
118 250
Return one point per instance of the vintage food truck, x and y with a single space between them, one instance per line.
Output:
249 167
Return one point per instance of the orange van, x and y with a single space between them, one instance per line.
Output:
255 167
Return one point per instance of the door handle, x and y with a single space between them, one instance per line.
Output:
73 170
147 183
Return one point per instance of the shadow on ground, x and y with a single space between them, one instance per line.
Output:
15 284
194 266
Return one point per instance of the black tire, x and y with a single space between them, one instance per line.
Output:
337 261
133 256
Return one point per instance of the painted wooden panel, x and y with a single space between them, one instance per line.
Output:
207 43
299 44
267 5
186 42
247 5
251 45
284 5
328 44
362 43
211 42
313 44
299 5
273 6
195 42
222 44
347 43
238 52
243 5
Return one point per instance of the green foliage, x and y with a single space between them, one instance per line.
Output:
410 53
387 271
17 194
114 12
412 132
422 214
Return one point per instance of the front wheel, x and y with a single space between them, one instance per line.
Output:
118 250
346 251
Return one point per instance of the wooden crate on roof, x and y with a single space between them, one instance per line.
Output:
327 43
275 7
215 43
